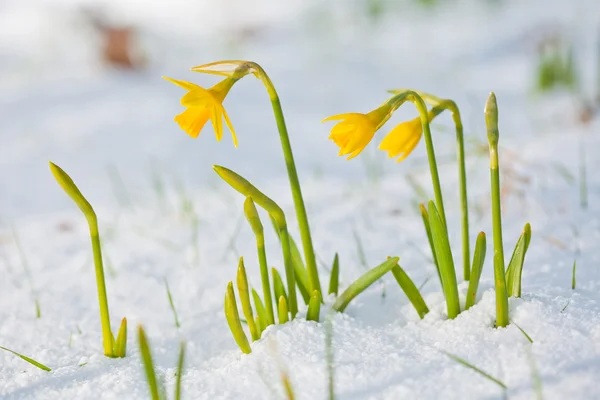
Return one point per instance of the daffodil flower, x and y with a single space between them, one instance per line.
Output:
204 104
355 130
403 139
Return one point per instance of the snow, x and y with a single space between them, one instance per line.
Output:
59 103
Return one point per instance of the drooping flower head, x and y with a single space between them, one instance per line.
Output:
204 104
355 130
403 139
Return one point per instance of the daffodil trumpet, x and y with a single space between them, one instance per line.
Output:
439 105
235 70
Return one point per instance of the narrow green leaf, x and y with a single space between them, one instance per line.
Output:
573 281
362 283
300 272
478 260
257 227
278 288
233 320
148 364
479 371
242 285
171 304
121 340
260 310
282 310
410 289
29 360
314 307
523 332
515 266
425 217
335 276
180 362
446 263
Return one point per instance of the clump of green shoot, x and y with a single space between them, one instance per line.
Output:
556 65
113 347
157 391
279 295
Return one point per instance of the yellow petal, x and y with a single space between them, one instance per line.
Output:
349 116
409 148
192 120
228 122
217 121
199 97
186 85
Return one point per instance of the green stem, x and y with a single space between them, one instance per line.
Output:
491 119
303 226
462 183
417 100
107 338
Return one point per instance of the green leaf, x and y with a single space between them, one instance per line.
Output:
425 217
171 304
573 281
233 320
29 360
121 340
362 283
515 266
242 285
314 307
410 289
300 271
478 260
260 310
335 276
282 310
446 263
148 364
180 362
278 288
254 219
479 371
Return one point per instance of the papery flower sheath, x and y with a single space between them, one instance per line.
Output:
204 104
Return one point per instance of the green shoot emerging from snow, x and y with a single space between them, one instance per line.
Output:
111 349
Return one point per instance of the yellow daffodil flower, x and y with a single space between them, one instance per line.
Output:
404 138
355 130
204 104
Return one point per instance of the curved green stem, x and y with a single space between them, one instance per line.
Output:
303 226
412 96
67 184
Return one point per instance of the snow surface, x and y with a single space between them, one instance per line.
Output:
59 103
